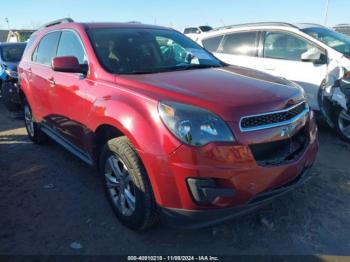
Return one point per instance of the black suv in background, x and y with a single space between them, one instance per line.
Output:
10 56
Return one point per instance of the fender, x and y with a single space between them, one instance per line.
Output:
141 124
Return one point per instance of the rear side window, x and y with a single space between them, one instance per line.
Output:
245 43
212 43
46 50
70 45
281 45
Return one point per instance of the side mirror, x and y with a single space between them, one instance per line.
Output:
68 64
311 55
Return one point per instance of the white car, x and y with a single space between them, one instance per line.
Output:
313 56
195 32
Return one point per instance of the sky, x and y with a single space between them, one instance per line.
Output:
31 14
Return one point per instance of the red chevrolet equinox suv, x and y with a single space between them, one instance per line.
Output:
174 132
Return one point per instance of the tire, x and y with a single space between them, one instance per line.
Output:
341 120
33 129
10 97
127 185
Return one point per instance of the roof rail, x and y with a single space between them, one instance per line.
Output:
57 22
255 24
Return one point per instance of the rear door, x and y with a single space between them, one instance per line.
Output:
238 48
69 100
281 56
40 74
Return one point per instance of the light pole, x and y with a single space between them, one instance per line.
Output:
7 22
326 13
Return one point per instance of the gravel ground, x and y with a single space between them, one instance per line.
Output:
52 203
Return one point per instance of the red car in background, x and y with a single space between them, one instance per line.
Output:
174 132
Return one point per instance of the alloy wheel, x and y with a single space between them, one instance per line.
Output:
120 185
28 118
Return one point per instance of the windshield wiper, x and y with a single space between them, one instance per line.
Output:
139 72
169 69
189 67
200 66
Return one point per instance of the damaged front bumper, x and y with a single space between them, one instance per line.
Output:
192 219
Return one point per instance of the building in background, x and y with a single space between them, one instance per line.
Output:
343 28
15 35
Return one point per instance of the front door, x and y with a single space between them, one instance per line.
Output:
281 56
69 100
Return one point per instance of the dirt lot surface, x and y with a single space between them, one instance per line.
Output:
53 203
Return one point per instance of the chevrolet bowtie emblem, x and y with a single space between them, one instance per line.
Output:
288 131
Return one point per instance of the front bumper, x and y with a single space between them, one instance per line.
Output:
192 219
243 184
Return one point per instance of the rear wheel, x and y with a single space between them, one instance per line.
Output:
126 184
342 124
33 129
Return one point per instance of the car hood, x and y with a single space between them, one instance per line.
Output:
228 91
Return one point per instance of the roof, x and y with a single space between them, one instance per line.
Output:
255 25
267 24
66 22
121 25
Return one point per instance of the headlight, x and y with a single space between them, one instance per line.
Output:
11 73
193 125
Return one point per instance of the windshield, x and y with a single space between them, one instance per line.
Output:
12 53
138 51
333 39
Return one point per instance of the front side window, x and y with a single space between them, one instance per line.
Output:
46 50
70 45
12 53
133 51
212 43
285 46
244 43
333 39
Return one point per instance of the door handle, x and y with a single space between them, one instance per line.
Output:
52 81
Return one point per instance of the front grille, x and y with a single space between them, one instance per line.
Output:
265 120
280 152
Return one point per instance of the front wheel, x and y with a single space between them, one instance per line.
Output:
127 185
342 124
